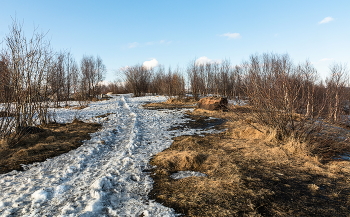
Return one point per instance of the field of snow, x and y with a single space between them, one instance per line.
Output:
103 177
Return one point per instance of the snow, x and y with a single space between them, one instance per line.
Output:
40 196
104 176
238 102
186 174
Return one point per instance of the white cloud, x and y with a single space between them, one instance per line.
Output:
231 35
165 42
204 60
326 20
133 45
150 64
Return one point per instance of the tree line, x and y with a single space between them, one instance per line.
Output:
34 77
270 83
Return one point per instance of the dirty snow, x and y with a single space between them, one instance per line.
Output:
103 177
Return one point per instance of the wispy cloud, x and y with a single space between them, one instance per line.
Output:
150 64
231 35
326 20
204 60
133 45
165 42
322 60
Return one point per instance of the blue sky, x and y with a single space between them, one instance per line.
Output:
129 32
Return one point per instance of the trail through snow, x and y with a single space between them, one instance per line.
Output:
103 177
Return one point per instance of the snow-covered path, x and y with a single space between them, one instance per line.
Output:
103 177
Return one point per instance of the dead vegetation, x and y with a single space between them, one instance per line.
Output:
173 103
251 173
52 140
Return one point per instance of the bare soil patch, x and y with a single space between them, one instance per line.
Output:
250 173
55 139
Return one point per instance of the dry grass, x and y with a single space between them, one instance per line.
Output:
173 103
55 140
251 173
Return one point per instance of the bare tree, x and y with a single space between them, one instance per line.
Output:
28 61
195 80
138 78
336 90
279 91
92 70
56 79
5 81
71 77
116 87
158 84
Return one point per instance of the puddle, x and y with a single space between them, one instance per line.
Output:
170 107
195 122
164 109
200 123
345 156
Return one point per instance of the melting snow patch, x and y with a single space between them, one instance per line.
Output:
185 174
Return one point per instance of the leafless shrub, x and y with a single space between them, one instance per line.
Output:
282 94
219 79
171 84
62 79
32 76
27 62
92 70
116 87
336 91
138 79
